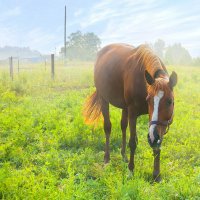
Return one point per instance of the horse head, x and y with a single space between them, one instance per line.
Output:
160 100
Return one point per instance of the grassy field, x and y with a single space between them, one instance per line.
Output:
47 152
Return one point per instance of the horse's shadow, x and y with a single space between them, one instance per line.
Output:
80 143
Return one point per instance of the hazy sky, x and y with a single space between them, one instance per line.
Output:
39 23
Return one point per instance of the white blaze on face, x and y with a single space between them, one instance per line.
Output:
157 99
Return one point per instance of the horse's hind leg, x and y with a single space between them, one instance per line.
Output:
124 124
107 129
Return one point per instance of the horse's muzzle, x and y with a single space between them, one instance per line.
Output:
157 140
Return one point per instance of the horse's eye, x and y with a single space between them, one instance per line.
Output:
169 102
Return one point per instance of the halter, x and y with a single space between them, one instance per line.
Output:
166 123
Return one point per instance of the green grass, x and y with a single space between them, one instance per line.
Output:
47 152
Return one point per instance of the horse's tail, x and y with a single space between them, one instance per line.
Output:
92 108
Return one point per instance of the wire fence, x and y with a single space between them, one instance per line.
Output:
47 73
16 65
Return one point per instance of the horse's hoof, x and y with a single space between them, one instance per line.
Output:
130 174
106 160
157 179
125 159
131 166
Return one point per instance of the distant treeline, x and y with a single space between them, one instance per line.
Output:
21 52
84 47
81 46
174 54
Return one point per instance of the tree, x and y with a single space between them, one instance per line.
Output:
196 61
176 54
159 47
82 46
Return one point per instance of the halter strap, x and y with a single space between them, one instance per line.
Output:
163 123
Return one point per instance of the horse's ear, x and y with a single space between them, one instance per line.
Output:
149 78
173 80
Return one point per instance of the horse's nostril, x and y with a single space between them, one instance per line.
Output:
156 135
159 142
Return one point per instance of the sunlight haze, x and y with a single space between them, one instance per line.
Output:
39 24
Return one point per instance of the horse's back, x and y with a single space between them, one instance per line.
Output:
109 72
119 48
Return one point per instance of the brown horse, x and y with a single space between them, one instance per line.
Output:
135 80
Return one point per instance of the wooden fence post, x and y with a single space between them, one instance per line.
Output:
18 65
52 66
45 64
11 67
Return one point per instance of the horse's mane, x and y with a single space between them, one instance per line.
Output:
147 60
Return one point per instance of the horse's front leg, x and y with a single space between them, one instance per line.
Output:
124 124
156 170
133 137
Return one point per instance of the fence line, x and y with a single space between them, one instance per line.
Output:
51 64
52 67
11 65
